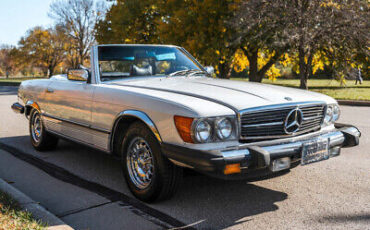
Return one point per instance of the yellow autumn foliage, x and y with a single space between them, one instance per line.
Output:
240 63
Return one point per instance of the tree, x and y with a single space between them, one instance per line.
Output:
130 21
306 29
198 26
78 17
7 64
201 27
259 34
317 25
44 48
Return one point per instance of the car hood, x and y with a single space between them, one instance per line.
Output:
237 94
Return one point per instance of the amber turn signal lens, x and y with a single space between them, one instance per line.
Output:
232 168
183 125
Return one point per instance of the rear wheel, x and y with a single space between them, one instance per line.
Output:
41 139
149 175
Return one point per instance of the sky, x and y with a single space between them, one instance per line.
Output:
18 16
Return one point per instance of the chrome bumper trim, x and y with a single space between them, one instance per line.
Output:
337 138
17 108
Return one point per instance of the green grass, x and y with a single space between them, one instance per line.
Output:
13 217
332 88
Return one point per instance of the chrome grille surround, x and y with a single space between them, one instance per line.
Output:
267 122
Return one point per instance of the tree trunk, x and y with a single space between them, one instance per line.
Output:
253 66
7 74
302 69
50 71
255 74
45 71
224 69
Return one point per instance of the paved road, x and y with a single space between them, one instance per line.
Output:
333 194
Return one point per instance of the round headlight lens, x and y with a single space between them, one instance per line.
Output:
224 128
336 113
202 131
328 115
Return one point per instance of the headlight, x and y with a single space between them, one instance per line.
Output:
224 128
202 131
329 115
332 114
336 113
205 130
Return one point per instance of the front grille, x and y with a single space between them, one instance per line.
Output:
268 122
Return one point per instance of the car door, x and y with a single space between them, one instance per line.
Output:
69 109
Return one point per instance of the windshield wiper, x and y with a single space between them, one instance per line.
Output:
188 72
197 72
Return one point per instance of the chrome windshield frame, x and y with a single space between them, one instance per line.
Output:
95 57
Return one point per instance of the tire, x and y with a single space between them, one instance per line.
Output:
162 178
41 140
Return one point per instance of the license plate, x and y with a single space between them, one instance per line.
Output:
314 151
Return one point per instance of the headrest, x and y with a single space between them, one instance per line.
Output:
141 71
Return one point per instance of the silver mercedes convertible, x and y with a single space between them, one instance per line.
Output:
158 110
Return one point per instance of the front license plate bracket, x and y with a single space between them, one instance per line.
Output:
315 150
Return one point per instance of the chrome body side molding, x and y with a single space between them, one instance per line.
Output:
77 123
136 114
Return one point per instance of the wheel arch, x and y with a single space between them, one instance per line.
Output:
123 120
29 106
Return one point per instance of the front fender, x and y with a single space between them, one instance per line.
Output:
138 115
31 105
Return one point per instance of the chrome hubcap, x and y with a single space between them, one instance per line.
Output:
36 127
140 163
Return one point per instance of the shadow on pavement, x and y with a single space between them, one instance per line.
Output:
209 202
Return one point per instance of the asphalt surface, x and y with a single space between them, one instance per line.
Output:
332 194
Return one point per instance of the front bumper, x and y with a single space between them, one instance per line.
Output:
17 108
255 159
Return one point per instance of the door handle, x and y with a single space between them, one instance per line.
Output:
49 90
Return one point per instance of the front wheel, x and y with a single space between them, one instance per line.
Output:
149 175
40 139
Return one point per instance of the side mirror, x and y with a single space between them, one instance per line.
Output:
210 69
78 75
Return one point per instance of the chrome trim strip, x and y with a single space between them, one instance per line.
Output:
138 114
281 106
78 141
277 136
130 45
263 124
95 62
76 123
310 118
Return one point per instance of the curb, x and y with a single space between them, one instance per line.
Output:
33 207
354 103
9 83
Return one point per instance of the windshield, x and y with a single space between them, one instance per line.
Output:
117 62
